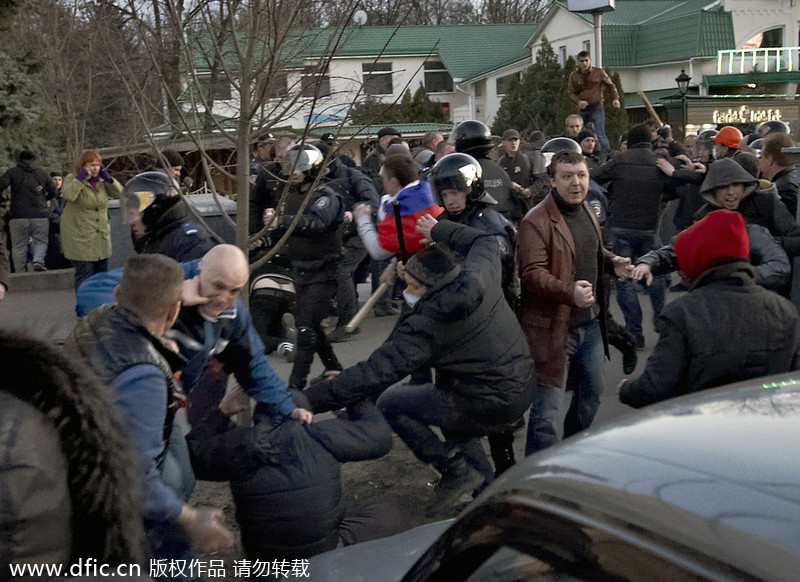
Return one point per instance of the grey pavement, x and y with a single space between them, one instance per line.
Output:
42 304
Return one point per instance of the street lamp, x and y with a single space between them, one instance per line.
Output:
683 85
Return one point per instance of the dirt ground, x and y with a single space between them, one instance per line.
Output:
397 477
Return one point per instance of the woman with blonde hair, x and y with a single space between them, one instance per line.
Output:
85 230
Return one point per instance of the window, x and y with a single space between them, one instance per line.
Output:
503 83
437 79
480 89
221 90
278 86
587 46
312 77
562 55
377 78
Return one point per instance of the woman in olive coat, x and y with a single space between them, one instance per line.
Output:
85 230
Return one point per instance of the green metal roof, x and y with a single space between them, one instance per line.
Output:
372 130
643 32
466 51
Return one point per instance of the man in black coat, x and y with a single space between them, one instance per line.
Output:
776 166
166 225
286 479
726 329
637 190
31 188
461 325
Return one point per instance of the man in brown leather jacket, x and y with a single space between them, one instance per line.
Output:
561 261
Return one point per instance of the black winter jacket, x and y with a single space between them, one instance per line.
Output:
174 232
787 181
484 218
772 266
726 329
636 188
465 330
285 476
766 209
498 186
31 188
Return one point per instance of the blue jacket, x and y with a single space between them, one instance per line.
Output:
124 355
231 338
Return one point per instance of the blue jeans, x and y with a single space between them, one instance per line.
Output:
23 229
411 409
598 117
585 360
634 244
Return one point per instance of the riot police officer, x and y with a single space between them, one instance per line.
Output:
457 183
314 248
475 139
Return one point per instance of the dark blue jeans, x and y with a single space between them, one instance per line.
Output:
585 360
634 244
411 410
598 118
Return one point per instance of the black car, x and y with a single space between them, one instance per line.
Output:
704 487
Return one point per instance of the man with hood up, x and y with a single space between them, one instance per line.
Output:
772 232
726 329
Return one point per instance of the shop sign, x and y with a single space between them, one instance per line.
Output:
746 114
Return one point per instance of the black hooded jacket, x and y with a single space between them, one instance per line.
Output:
464 329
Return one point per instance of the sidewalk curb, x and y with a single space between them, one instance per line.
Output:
60 280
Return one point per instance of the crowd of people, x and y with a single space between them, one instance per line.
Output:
498 260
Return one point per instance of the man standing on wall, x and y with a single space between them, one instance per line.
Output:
586 86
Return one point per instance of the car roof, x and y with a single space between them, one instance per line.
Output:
718 471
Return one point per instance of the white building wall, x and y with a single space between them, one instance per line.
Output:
752 17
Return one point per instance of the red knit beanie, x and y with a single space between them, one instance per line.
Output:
720 234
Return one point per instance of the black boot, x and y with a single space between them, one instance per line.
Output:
458 478
502 448
624 341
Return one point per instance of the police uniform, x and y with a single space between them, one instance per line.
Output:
315 250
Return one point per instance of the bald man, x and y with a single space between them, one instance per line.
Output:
213 321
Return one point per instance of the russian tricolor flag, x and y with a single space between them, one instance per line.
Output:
415 200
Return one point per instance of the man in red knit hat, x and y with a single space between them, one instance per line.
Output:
726 328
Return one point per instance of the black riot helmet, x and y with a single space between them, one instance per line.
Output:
148 195
774 126
472 137
707 134
305 159
459 172
559 144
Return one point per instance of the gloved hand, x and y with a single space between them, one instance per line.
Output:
104 174
81 176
